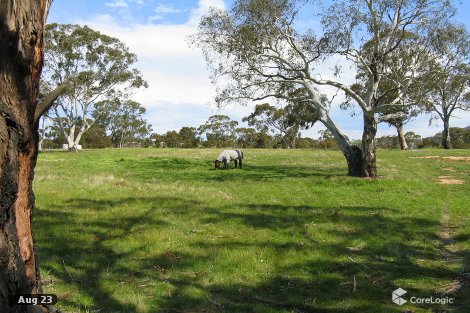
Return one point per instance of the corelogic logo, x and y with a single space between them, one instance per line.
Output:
397 296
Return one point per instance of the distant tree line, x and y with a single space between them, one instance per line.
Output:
219 131
459 138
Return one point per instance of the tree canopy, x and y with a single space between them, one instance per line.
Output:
275 120
257 51
91 67
124 120
446 82
219 131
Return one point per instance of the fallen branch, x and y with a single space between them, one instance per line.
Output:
358 262
269 301
70 275
220 306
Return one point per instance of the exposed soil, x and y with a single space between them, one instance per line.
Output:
452 256
449 180
447 158
456 158
426 157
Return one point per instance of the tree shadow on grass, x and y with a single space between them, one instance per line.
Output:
191 170
272 173
80 254
351 279
342 278
462 295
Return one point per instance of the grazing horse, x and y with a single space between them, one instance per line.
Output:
228 155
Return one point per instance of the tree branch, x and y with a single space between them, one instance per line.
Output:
388 117
47 102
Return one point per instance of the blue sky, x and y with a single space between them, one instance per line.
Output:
180 93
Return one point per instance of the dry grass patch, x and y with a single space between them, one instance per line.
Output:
98 180
449 180
447 158
457 158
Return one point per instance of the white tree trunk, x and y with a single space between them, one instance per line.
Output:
353 154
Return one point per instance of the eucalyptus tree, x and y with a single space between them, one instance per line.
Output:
124 120
257 51
246 137
267 117
189 137
402 74
447 82
219 131
21 58
91 67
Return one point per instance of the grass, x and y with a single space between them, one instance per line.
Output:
158 230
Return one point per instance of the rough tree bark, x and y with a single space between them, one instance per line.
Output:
401 137
21 59
353 154
446 143
369 168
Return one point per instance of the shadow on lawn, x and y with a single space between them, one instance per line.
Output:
85 264
349 279
191 170
276 172
462 295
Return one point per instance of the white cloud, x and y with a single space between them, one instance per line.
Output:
117 4
180 92
163 8
176 73
203 8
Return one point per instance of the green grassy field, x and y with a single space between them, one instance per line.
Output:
158 230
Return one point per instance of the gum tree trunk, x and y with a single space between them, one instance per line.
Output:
369 165
401 137
21 59
446 143
353 154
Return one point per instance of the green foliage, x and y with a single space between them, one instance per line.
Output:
124 120
326 140
275 120
93 67
172 139
257 50
460 138
219 131
189 137
446 85
144 231
246 137
96 138
306 143
413 140
388 142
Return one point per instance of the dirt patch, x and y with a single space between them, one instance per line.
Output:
453 257
447 158
455 158
426 157
449 180
224 195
